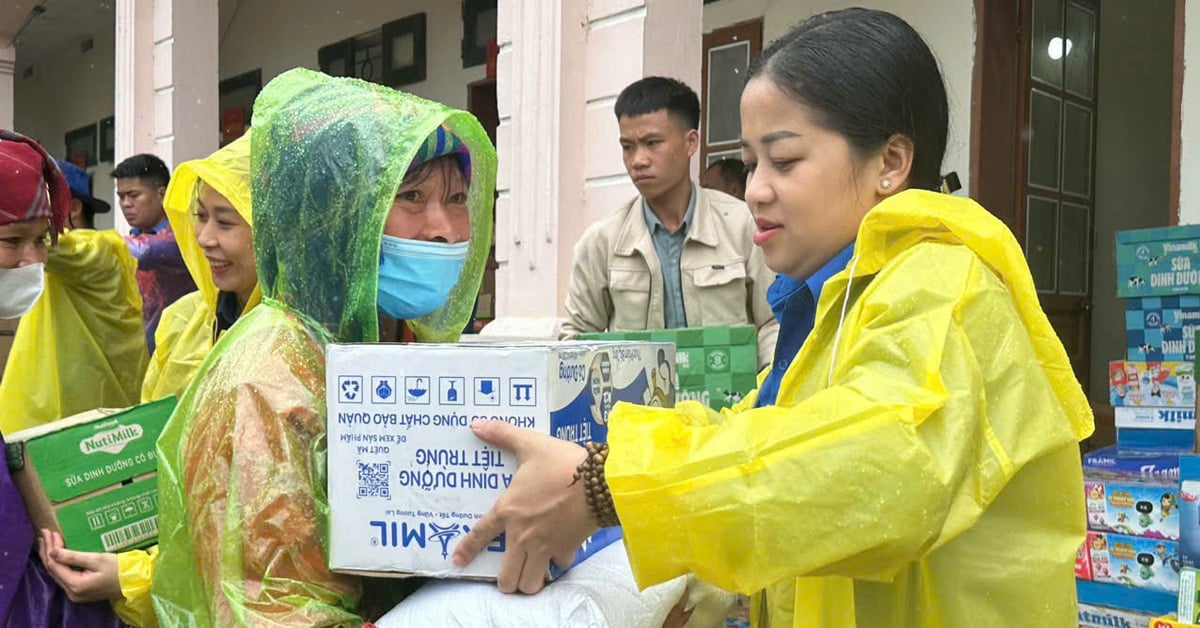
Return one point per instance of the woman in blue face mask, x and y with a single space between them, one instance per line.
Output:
427 233
367 202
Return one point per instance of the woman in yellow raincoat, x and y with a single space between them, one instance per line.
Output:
83 344
208 204
911 458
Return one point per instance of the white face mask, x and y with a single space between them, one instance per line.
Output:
20 289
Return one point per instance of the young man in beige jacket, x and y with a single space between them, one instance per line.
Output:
677 255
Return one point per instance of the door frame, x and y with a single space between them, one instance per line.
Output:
994 113
995 80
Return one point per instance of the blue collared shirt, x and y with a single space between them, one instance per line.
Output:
159 227
669 247
795 306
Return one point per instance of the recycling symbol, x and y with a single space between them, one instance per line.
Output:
350 389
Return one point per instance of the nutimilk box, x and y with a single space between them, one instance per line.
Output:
92 476
407 476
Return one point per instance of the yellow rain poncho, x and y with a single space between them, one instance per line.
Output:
921 466
83 345
186 332
242 505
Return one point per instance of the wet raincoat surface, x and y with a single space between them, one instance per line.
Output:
82 346
243 511
920 467
186 332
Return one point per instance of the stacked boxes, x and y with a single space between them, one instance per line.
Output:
1154 388
1133 520
1142 519
715 365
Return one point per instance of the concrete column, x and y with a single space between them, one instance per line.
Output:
8 63
166 97
560 68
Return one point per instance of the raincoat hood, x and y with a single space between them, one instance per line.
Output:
914 216
328 156
228 172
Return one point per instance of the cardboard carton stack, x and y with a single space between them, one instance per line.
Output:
716 366
1142 522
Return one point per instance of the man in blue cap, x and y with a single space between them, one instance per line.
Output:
84 206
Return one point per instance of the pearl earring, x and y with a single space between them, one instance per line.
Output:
887 185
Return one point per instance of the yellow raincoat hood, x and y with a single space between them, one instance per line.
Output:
185 333
83 345
921 464
228 172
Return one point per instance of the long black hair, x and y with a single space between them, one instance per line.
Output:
866 75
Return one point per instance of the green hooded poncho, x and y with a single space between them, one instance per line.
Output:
243 509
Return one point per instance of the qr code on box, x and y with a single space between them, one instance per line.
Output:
373 480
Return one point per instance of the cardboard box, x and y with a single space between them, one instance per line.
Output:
407 477
1135 509
1162 329
1162 261
1111 464
1152 384
1135 561
1142 429
1095 616
92 476
717 366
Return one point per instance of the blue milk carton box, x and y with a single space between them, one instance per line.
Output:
1162 329
1134 509
408 478
1135 561
1162 261
1145 429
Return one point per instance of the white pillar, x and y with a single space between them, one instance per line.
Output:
560 68
166 81
8 63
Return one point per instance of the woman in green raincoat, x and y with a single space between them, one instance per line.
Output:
366 201
911 458
208 204
344 228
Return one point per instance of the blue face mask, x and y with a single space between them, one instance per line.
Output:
416 277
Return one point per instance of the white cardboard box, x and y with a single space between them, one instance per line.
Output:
1159 418
408 478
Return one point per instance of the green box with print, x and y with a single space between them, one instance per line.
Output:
715 365
92 476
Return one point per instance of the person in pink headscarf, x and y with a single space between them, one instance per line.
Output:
34 203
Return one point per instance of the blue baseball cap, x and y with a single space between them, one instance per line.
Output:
77 180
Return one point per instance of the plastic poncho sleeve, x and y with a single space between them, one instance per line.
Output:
242 487
135 569
181 341
906 448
